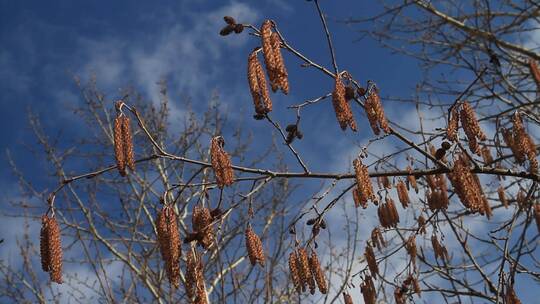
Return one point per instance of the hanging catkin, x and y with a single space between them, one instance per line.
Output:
471 127
221 162
375 113
194 281
258 86
51 248
281 80
342 107
317 272
123 142
453 124
201 221
364 186
370 260
524 143
254 247
369 293
305 271
535 73
294 270
169 243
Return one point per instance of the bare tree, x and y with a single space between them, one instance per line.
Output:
192 215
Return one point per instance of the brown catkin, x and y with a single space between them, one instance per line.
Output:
467 186
439 249
119 146
169 242
486 155
524 142
221 162
502 196
268 50
388 215
342 107
367 288
399 295
452 129
201 222
347 299
471 127
44 244
410 246
305 271
535 73
377 238
363 181
281 80
128 142
411 180
510 295
294 269
421 225
317 273
254 247
508 137
54 250
370 260
257 85
375 113
194 282
403 194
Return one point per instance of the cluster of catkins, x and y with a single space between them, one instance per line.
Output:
469 123
221 162
437 195
364 188
306 271
388 215
467 186
123 141
275 68
50 248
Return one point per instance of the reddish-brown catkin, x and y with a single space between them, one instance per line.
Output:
221 162
508 137
119 146
317 272
342 107
268 50
452 129
202 225
254 247
410 246
257 85
377 238
363 181
369 293
388 215
294 269
471 127
510 295
535 72
411 180
281 80
305 271
403 194
524 142
54 251
439 249
44 244
502 196
347 299
128 143
194 282
370 260
467 186
537 215
486 155
169 242
375 113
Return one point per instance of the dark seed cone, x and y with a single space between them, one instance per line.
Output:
54 251
254 247
119 146
317 272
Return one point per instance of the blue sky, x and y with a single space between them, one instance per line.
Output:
138 43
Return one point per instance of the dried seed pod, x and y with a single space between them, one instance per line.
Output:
375 113
254 247
471 127
363 181
221 163
51 248
317 273
201 222
257 85
305 272
535 72
194 282
369 293
119 146
281 80
403 194
342 108
294 269
370 260
347 299
452 129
